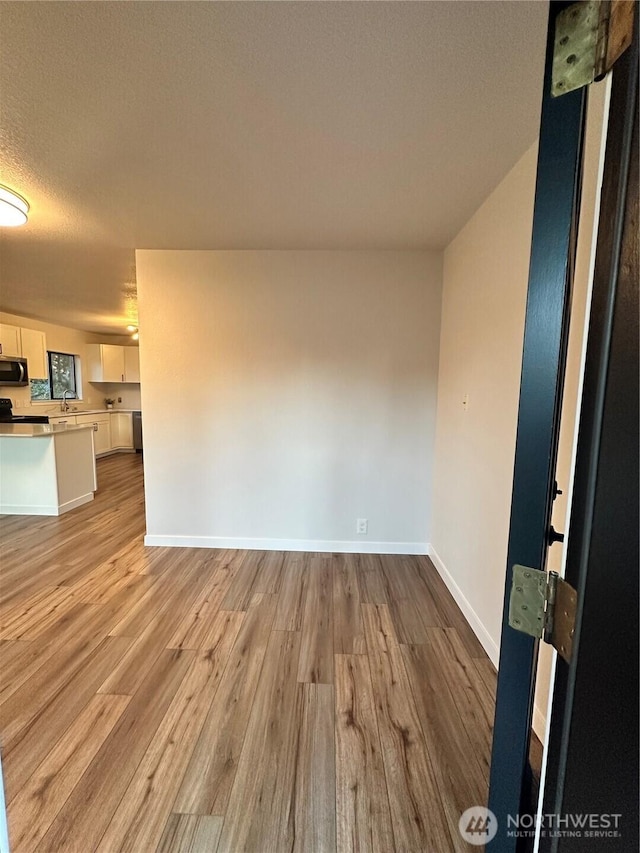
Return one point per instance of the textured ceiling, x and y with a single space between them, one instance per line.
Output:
248 125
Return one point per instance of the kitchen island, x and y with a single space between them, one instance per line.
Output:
46 469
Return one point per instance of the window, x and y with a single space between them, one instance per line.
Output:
62 377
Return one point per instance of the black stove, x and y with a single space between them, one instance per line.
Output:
7 416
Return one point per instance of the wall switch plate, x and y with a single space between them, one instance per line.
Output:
362 525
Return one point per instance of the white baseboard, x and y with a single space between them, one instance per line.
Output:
469 613
83 499
51 509
314 545
17 509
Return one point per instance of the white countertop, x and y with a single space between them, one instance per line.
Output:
71 412
38 430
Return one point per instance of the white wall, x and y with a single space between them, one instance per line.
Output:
483 305
74 342
484 293
303 391
127 395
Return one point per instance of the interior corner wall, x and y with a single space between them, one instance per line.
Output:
286 394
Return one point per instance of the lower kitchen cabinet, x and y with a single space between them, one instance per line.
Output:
121 431
62 419
111 430
101 430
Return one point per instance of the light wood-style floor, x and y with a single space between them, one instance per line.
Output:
193 700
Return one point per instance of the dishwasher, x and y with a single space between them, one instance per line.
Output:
137 431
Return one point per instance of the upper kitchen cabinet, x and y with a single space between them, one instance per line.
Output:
110 363
27 343
34 349
10 340
105 363
132 364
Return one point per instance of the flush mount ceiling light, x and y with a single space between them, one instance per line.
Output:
13 208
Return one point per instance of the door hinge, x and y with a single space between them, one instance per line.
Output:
544 606
589 36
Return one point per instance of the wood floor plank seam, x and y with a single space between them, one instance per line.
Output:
209 798
259 804
127 831
402 741
57 716
21 708
469 785
363 811
51 783
90 807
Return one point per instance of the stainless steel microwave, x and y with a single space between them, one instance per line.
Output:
13 371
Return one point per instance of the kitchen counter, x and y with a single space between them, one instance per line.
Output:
56 413
39 430
50 474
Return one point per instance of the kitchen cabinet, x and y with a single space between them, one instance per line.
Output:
62 419
111 363
111 430
34 349
101 430
10 340
54 472
121 431
105 363
26 343
131 364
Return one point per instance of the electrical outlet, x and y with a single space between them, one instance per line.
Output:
362 525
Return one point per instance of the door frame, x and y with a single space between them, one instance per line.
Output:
594 713
555 224
543 367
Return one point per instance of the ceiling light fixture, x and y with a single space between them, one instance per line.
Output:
13 208
132 328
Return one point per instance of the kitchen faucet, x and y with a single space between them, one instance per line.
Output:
64 405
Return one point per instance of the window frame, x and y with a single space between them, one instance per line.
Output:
50 381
